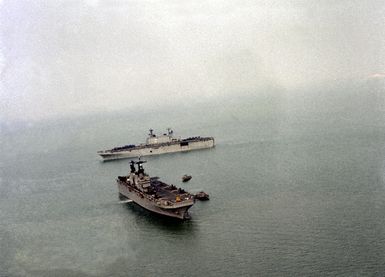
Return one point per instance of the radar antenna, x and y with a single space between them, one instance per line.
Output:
140 167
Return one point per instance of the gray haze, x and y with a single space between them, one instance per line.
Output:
63 58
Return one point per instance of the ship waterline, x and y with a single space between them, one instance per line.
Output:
156 145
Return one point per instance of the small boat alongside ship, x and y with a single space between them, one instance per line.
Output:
153 194
156 145
186 178
203 196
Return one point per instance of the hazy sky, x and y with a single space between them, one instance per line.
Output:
61 58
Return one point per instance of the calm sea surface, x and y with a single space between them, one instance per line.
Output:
296 183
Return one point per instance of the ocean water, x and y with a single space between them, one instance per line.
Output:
297 186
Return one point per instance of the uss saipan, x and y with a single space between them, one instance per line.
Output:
156 145
154 195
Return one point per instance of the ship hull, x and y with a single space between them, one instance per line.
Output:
157 149
142 200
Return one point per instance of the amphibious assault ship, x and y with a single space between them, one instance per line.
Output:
154 195
156 145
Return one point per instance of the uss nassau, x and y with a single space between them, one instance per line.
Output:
156 145
154 195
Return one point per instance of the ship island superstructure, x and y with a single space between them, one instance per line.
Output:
153 194
156 145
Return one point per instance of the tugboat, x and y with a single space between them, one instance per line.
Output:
153 194
203 196
186 178
156 145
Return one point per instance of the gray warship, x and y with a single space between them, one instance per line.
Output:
153 194
156 145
